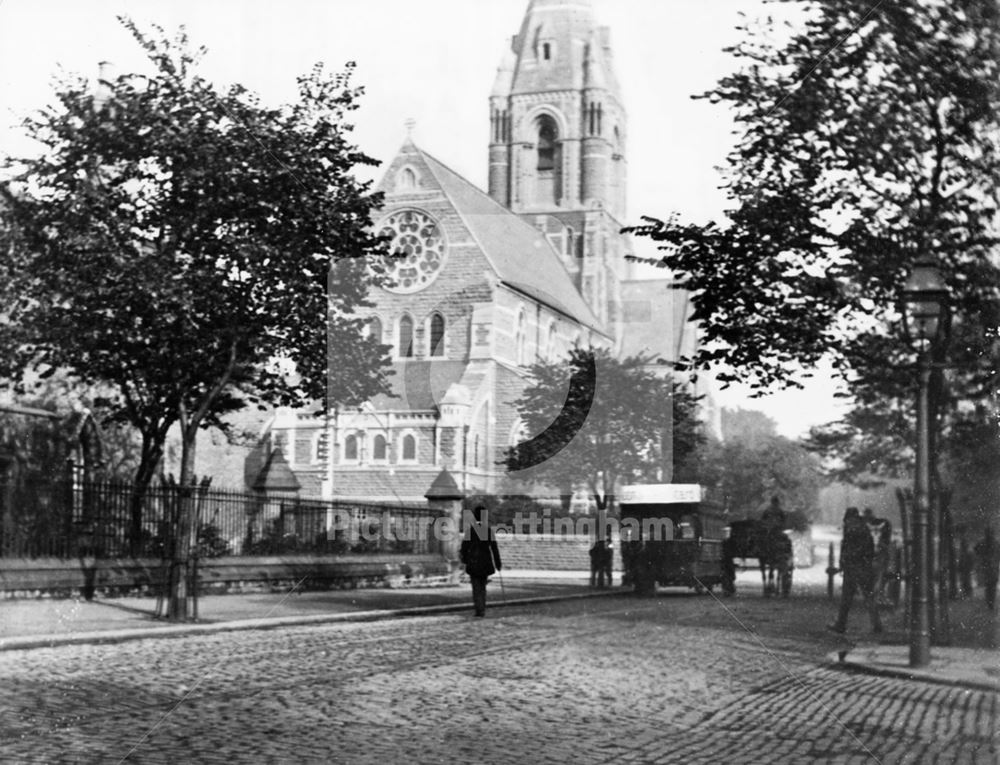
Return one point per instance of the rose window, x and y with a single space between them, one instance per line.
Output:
417 248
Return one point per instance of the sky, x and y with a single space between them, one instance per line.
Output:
433 62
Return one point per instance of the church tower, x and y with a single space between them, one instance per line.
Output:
558 132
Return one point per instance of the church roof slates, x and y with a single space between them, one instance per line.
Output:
521 256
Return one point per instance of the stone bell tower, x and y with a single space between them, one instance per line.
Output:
558 132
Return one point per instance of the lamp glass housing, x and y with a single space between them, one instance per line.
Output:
924 296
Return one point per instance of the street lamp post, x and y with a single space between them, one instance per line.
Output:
923 298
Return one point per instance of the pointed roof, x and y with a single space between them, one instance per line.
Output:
571 26
521 256
444 487
505 75
276 475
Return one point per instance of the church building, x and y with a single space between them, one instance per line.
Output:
488 283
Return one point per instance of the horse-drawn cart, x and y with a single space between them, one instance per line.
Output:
769 545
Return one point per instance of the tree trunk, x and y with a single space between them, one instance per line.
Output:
179 588
140 486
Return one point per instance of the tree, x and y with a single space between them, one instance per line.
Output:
746 425
193 250
599 422
753 464
869 138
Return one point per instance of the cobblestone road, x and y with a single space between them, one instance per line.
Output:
672 680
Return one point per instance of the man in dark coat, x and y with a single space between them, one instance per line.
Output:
481 556
598 563
857 559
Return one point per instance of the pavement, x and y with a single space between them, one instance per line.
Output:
964 667
48 622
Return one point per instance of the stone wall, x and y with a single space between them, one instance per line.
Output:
51 577
548 552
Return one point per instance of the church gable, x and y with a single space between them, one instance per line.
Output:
425 312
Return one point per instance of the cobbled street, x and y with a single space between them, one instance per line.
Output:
673 679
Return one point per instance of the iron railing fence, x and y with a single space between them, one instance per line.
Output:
108 519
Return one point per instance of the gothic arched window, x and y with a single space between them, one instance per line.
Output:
407 179
351 448
546 145
548 162
437 335
378 448
405 348
375 329
409 449
521 339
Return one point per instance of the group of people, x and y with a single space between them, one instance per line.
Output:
865 554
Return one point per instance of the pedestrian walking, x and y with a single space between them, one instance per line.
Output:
857 558
481 556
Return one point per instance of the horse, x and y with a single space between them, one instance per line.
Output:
772 549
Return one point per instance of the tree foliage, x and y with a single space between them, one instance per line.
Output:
174 241
869 137
754 464
605 434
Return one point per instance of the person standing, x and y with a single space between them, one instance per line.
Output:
609 561
966 564
881 531
599 564
857 558
988 552
481 556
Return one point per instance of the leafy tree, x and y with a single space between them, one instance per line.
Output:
598 422
746 424
869 138
754 464
175 241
